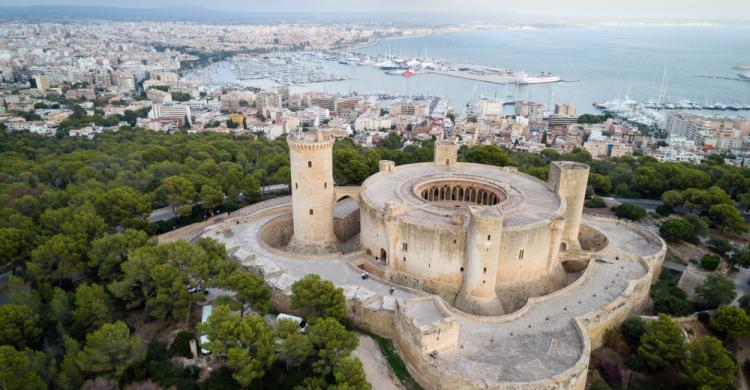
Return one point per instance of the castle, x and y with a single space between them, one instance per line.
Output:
484 277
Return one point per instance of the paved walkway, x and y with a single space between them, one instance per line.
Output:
536 345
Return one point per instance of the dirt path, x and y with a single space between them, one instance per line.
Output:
376 368
742 354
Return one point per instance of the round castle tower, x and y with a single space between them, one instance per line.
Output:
311 157
483 238
569 180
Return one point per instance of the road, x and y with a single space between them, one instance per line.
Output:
166 213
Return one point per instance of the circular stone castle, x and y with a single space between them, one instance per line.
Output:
484 277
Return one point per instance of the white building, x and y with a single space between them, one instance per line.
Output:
371 121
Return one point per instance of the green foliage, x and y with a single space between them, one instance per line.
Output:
92 308
246 342
18 370
593 119
731 321
110 350
181 96
710 262
179 193
19 326
391 141
629 211
159 276
319 298
292 346
126 207
670 299
700 224
108 252
485 154
727 217
708 365
716 290
250 291
220 379
602 184
678 229
632 329
662 344
180 345
332 342
719 245
745 303
350 375
595 202
664 210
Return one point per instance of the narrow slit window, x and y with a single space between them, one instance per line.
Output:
311 211
309 164
520 255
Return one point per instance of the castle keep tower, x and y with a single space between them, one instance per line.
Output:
569 180
311 156
483 238
446 152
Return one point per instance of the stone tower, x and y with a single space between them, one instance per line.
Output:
483 237
569 180
446 152
311 156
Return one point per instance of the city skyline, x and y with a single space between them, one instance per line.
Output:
502 9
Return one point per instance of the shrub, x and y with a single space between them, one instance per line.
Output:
629 211
745 303
181 345
664 210
632 329
678 229
716 290
719 244
220 379
595 203
710 262
610 373
670 299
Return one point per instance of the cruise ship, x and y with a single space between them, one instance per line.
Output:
744 76
542 78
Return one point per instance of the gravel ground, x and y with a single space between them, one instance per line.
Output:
378 372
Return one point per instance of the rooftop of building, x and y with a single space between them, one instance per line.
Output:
523 199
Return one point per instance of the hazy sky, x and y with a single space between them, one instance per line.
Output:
672 9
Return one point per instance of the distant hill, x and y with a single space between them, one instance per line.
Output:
184 13
203 14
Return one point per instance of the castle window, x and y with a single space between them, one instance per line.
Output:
311 211
462 269
296 186
404 259
404 247
447 161
325 185
485 269
520 255
489 237
309 164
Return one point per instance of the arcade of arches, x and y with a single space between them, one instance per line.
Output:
451 191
